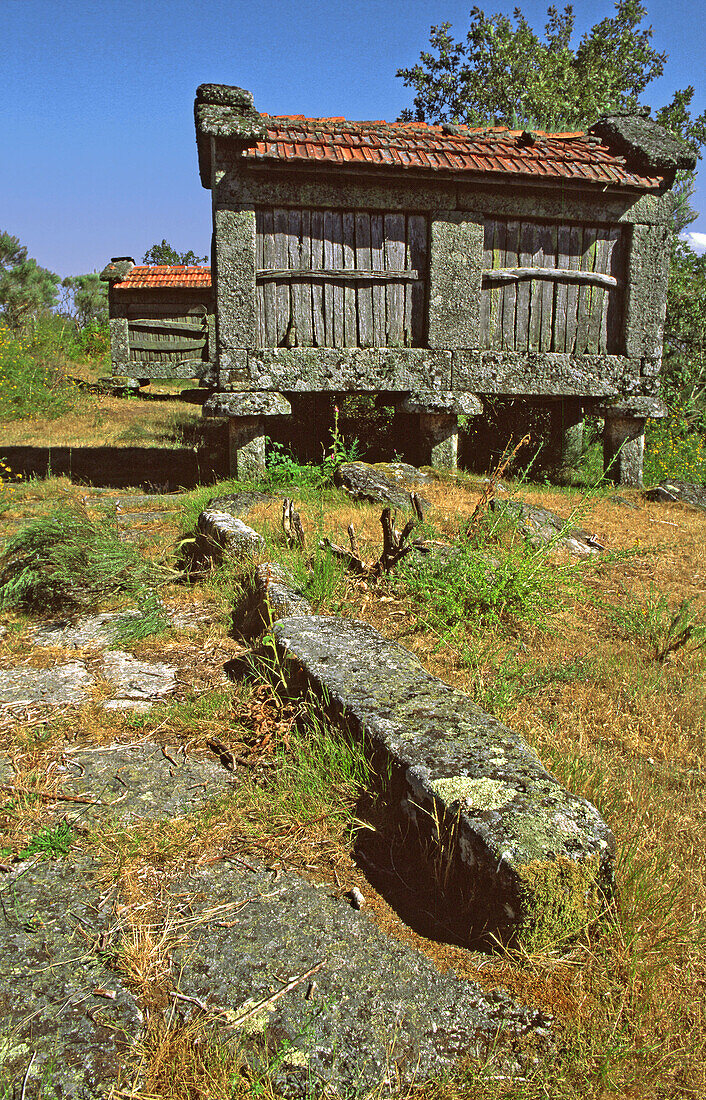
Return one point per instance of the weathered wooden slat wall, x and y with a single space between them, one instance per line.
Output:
557 314
305 296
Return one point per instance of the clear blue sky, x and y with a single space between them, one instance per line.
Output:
99 156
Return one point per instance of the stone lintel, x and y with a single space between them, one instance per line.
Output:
545 373
446 401
253 403
524 860
349 370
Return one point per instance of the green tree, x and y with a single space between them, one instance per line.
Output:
86 299
25 287
685 333
505 74
164 254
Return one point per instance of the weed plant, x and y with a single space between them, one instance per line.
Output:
50 842
675 448
68 559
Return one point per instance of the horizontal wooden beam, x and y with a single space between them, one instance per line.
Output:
329 274
160 325
554 274
138 342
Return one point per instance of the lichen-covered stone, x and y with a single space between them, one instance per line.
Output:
455 273
312 370
365 482
535 870
380 1016
137 683
448 401
227 535
63 685
543 527
141 781
645 142
549 373
50 970
668 491
252 403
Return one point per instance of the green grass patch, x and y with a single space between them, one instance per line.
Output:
68 559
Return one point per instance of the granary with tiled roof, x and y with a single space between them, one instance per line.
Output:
161 319
440 265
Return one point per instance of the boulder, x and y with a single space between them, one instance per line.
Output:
365 482
544 528
670 491
227 536
519 858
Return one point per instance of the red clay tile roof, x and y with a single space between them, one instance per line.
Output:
156 276
573 156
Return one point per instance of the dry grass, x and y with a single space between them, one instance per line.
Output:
627 731
105 421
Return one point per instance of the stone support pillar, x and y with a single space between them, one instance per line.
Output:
624 437
246 414
566 431
623 449
246 447
439 440
438 424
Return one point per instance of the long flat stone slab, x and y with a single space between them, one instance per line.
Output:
520 859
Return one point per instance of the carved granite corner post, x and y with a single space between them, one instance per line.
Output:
455 274
247 413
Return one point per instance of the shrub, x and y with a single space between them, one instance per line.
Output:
30 381
68 559
675 447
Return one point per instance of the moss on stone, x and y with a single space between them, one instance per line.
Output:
560 899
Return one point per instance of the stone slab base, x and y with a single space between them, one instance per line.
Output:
521 859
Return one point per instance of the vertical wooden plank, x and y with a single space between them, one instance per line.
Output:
527 246
512 247
599 294
583 309
350 318
613 309
305 320
260 289
269 288
498 293
338 292
328 287
317 293
561 296
534 329
296 287
573 263
364 291
548 240
415 296
281 235
394 292
377 263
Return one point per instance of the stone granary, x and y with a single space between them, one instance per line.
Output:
161 319
436 265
